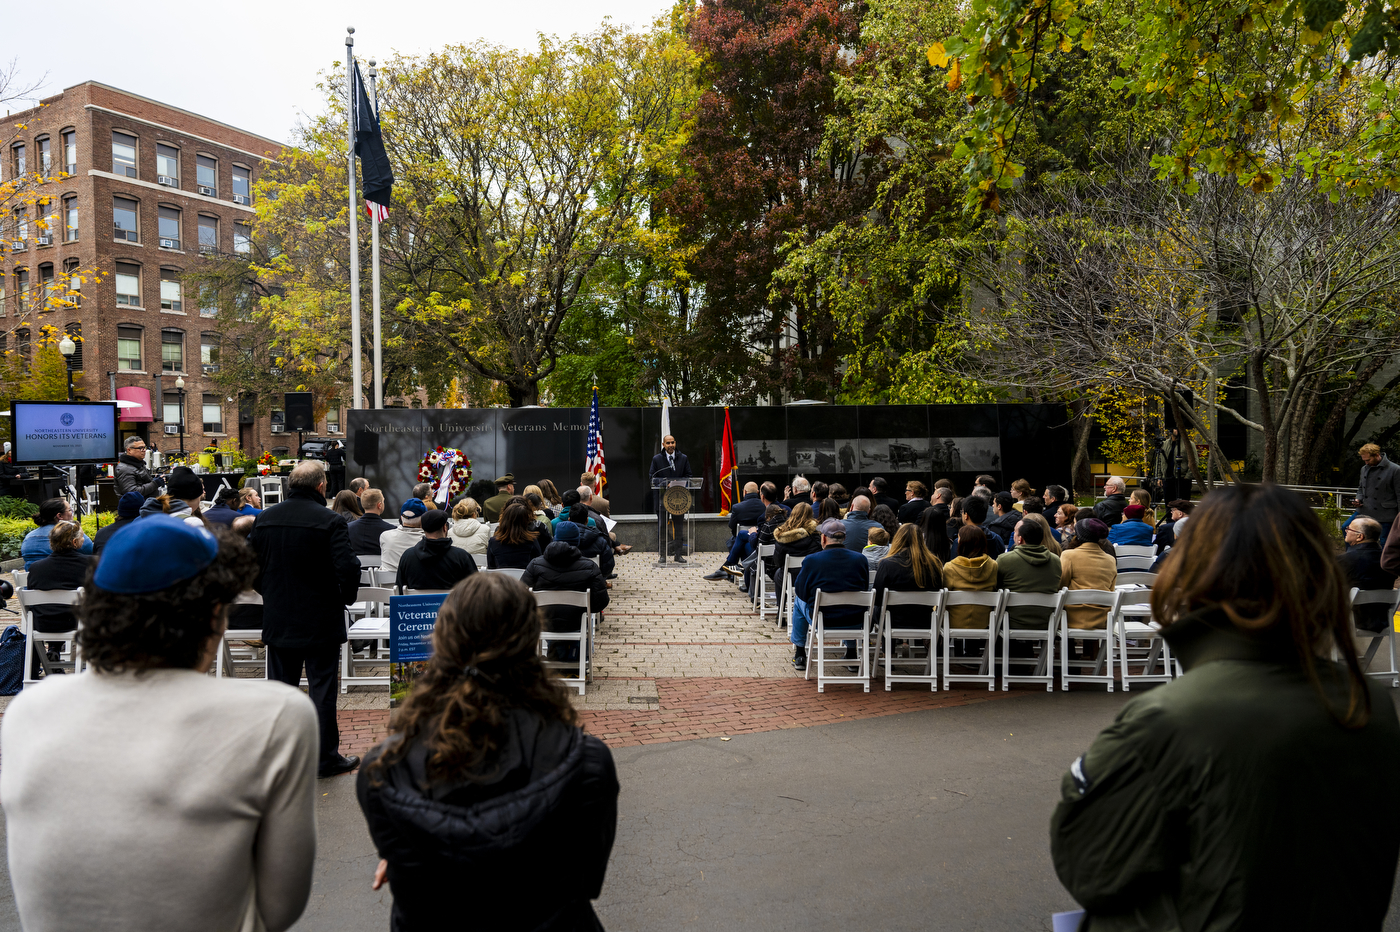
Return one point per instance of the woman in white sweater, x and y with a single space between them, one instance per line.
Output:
145 796
467 531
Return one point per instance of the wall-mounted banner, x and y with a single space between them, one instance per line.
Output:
411 621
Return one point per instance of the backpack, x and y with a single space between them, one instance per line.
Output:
12 644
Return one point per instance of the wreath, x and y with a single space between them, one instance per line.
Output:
445 466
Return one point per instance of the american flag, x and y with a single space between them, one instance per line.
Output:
595 463
371 208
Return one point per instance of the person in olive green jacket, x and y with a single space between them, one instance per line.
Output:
1253 792
1030 567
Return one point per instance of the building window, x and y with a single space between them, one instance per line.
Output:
70 152
74 282
22 348
213 415
242 239
70 219
207 176
167 165
332 420
172 351
3 307
124 220
75 333
47 213
17 160
21 227
170 404
208 302
242 185
22 291
170 292
46 287
208 234
169 228
129 348
123 154
128 284
209 352
279 420
41 148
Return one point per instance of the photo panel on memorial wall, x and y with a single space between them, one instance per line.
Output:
964 454
812 458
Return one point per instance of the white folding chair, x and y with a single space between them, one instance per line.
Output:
765 592
819 633
1044 667
1136 550
514 572
35 641
270 489
380 577
1132 622
408 591
790 568
597 561
1135 563
1135 578
1103 662
577 600
370 559
226 662
372 624
1390 598
888 631
987 662
21 578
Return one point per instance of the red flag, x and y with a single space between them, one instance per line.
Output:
728 469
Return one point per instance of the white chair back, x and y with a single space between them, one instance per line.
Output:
1135 550
28 599
226 661
1135 563
986 672
1044 668
514 572
1140 640
571 599
1136 578
790 568
765 593
370 559
821 632
270 489
1103 662
1390 598
888 631
408 591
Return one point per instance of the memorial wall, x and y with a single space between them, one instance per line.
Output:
832 443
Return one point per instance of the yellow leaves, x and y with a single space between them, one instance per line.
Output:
1086 41
937 57
517 279
955 76
1310 37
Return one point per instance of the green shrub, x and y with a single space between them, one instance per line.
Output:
17 508
12 529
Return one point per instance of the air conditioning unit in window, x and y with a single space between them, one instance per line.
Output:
44 240
207 191
170 244
240 199
210 368
172 428
279 428
167 181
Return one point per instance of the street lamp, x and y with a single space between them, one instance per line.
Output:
67 347
180 387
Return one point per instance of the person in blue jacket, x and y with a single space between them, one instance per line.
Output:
1132 530
831 569
35 545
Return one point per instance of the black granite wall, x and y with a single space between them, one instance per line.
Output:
846 444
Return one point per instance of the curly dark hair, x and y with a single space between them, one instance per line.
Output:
485 662
168 628
884 516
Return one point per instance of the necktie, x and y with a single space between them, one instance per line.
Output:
672 458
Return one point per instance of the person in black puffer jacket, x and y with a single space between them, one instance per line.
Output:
564 568
486 777
592 543
131 472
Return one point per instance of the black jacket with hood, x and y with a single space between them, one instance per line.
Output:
433 563
522 846
564 569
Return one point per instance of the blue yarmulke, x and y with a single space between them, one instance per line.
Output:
566 530
129 505
154 554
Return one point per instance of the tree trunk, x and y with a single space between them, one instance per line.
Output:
522 395
1266 416
1081 477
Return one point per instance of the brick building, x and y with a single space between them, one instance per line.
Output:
143 192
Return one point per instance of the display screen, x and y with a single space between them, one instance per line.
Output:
64 432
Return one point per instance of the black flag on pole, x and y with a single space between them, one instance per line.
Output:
375 172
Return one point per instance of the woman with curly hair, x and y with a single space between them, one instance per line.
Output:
486 776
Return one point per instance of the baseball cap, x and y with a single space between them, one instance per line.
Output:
413 508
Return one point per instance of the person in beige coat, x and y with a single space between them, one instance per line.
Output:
467 531
970 571
1090 564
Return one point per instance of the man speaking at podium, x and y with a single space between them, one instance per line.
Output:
668 464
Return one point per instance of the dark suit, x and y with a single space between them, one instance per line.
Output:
662 468
1362 565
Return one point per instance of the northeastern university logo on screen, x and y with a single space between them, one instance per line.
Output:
66 420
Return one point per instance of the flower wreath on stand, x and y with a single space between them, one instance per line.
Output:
265 463
448 470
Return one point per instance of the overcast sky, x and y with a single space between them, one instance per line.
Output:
255 64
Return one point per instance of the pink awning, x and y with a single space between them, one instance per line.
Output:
142 397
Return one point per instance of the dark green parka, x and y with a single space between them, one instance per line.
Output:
1232 799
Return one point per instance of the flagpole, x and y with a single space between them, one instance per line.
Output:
356 367
374 274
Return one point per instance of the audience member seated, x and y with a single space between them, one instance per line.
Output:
550 494
1020 491
421 492
916 495
572 498
505 489
975 512
65 568
909 567
1166 531
249 501
397 541
595 501
591 543
1030 567
1110 510
433 563
128 507
877 546
368 530
1054 497
1090 563
150 795
831 569
1004 518
880 495
1047 538
858 523
347 505
884 516
984 481
543 517
35 545
800 493
744 519
1065 516
516 541
565 568
972 570
1132 530
359 485
773 519
828 510
933 524
485 771
843 497
797 537
1031 504
1361 563
225 508
768 493
482 489
467 530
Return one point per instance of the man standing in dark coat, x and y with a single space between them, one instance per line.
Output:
132 474
668 464
335 468
307 574
1362 564
491 508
